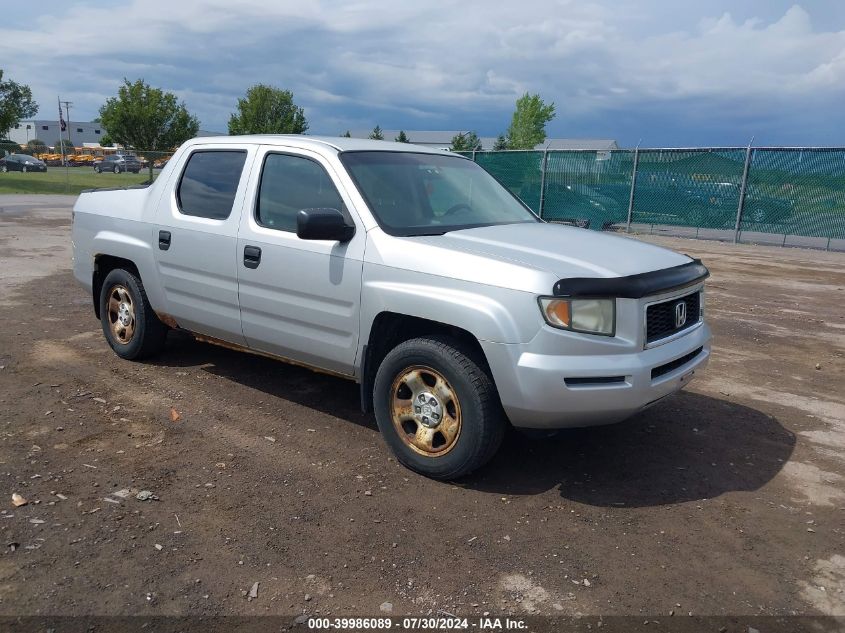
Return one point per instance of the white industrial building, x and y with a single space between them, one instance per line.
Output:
86 134
50 132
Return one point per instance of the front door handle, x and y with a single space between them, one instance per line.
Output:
164 240
252 256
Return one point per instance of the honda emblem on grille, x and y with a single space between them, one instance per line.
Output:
680 314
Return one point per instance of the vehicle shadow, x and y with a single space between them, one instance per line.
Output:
687 448
328 394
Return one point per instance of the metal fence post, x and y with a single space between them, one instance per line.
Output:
543 181
742 192
473 155
633 184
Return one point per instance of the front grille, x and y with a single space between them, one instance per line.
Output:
657 372
660 317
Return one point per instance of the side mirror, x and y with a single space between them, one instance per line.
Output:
323 224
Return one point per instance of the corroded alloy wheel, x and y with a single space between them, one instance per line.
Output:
437 407
425 411
129 323
121 314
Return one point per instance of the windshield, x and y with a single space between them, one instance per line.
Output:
430 194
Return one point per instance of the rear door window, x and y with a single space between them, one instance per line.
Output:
209 183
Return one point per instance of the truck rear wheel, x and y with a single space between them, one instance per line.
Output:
437 408
130 326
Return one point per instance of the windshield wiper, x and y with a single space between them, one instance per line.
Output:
428 233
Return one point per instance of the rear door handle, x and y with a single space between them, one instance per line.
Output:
252 256
164 240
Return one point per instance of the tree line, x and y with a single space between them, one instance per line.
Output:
150 119
526 131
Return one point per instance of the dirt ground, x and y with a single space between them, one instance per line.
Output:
727 499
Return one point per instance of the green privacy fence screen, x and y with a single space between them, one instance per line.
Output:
521 172
783 191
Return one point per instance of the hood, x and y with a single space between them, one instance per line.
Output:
563 251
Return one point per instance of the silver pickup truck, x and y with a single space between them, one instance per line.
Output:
409 270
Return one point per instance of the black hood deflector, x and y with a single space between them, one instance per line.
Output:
634 286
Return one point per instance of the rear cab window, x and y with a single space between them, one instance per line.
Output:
209 183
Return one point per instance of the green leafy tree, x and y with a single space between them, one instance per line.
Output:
528 125
37 145
267 110
346 135
8 147
15 104
377 134
147 118
466 142
64 144
501 143
105 141
402 138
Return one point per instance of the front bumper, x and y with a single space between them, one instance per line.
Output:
535 392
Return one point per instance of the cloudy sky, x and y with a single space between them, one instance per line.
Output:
667 72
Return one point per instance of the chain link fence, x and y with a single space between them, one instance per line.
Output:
786 196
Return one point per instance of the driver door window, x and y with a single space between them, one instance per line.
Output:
290 184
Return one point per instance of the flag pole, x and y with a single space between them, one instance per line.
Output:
62 125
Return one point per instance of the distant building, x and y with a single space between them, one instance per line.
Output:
443 139
87 134
50 132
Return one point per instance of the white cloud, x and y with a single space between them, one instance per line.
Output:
422 59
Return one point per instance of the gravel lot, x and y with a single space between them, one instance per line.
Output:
726 499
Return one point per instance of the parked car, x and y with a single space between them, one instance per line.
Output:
408 270
709 204
760 208
583 206
118 163
21 162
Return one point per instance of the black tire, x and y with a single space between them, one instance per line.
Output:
97 168
149 333
482 420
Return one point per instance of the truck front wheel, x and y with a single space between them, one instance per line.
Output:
131 327
437 407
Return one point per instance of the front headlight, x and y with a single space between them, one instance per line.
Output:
591 316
